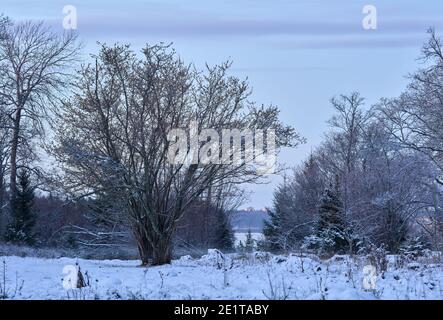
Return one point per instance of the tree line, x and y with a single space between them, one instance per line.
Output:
86 141
376 179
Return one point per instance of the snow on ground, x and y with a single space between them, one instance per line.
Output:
248 276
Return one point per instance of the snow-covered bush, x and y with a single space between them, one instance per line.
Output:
415 247
377 256
214 258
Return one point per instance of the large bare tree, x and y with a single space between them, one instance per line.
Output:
414 119
113 137
35 65
4 138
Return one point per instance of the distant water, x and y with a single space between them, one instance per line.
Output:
241 236
242 221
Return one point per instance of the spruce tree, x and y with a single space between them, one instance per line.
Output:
330 230
224 236
249 242
22 213
275 229
271 230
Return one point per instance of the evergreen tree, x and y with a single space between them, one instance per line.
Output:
330 230
294 209
249 242
240 246
224 236
22 213
271 230
415 247
278 230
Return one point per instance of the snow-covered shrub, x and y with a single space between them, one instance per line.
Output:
322 244
214 258
261 256
415 247
185 260
377 256
279 259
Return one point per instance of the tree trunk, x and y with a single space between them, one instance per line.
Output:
144 246
13 158
162 251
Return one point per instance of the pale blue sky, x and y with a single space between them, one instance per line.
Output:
296 53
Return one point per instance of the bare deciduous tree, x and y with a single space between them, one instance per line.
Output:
34 73
4 156
113 137
414 119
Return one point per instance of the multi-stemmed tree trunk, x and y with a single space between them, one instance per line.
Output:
144 247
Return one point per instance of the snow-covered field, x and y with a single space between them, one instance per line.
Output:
248 276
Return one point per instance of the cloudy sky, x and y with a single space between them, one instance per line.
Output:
296 53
